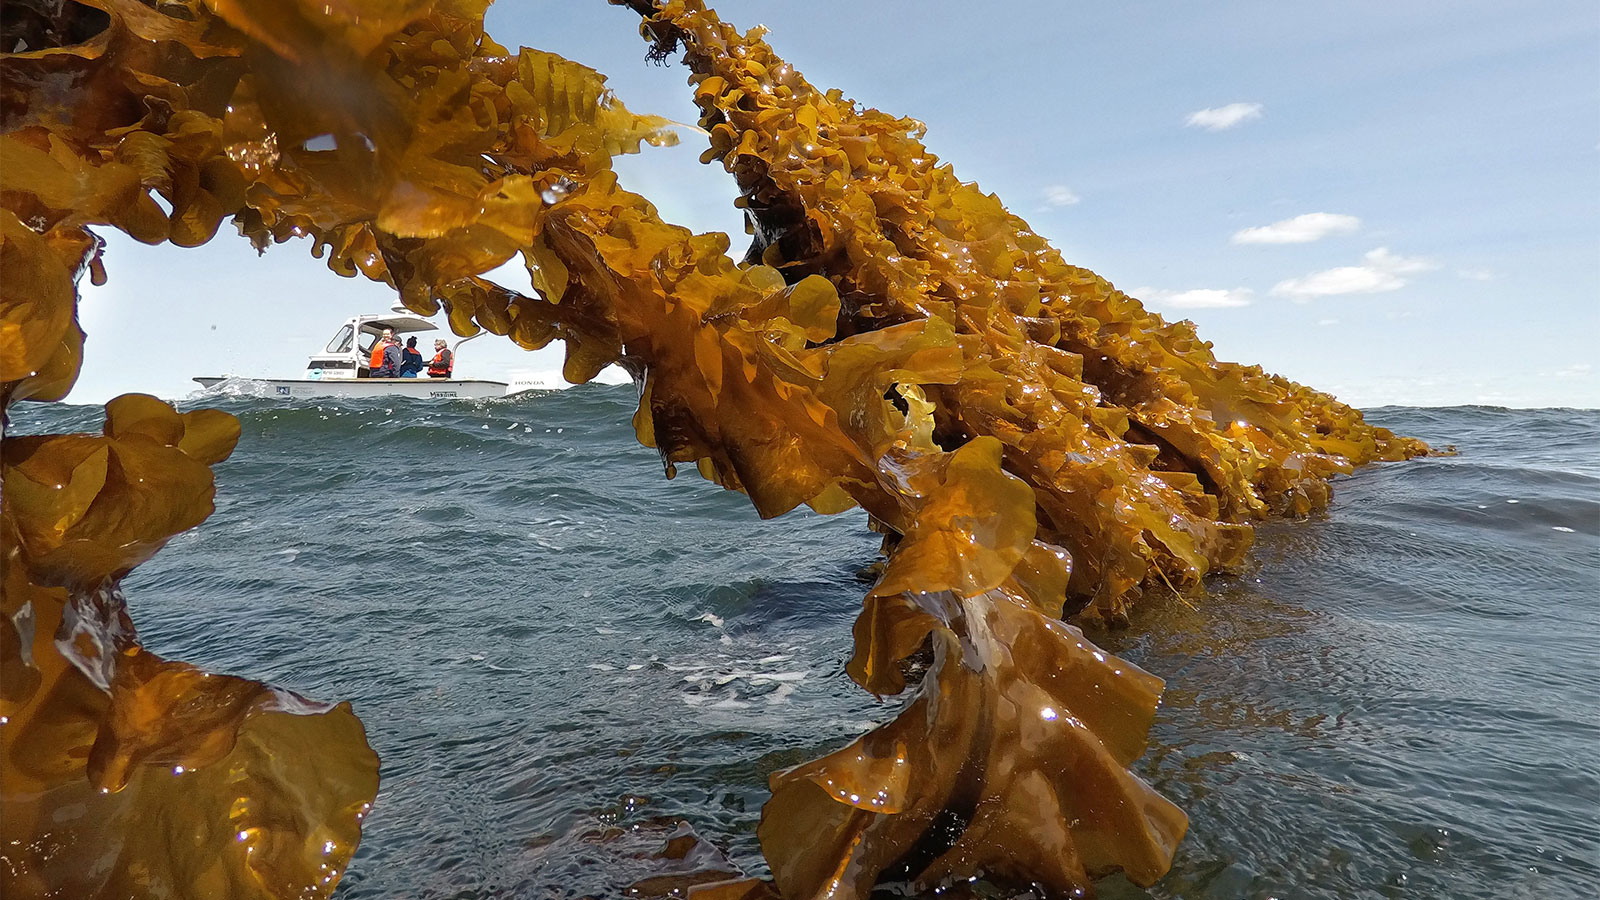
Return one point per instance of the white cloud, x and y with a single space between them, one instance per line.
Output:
1326 322
1058 195
1299 230
1221 118
1196 298
1379 271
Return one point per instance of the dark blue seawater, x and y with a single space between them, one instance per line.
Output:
545 638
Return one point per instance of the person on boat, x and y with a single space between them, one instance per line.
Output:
443 360
410 359
378 347
392 358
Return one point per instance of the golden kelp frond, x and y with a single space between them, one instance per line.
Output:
1029 440
41 344
1008 763
1144 447
125 774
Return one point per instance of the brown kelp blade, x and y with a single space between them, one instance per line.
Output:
126 774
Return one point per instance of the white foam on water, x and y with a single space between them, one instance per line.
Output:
234 386
743 682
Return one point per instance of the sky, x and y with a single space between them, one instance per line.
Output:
1395 202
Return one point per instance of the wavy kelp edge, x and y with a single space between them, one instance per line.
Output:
126 774
1145 455
1024 436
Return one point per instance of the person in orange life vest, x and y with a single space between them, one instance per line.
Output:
410 359
443 361
375 362
392 358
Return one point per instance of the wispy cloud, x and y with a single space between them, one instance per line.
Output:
1299 230
1195 298
1379 271
1057 196
1221 118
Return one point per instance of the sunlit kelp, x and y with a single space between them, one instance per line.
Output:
1145 447
126 774
1029 440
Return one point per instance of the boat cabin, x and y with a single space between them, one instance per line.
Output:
347 355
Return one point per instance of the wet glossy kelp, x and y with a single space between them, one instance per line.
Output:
1031 442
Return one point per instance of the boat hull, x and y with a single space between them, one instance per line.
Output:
420 388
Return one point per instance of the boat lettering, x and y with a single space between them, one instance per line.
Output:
441 393
283 389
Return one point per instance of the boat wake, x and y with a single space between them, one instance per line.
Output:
234 386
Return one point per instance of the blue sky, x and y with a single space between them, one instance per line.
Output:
1397 202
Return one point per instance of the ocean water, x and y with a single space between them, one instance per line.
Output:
550 644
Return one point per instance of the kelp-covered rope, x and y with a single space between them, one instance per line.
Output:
1031 442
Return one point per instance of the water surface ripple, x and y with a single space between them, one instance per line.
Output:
546 639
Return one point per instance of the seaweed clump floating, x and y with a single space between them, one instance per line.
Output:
1031 442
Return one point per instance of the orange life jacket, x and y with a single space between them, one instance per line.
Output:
441 364
377 355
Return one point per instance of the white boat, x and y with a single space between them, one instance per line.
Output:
340 370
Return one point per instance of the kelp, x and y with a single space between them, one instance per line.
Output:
1032 443
126 774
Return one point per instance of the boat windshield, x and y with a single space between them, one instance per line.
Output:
341 341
